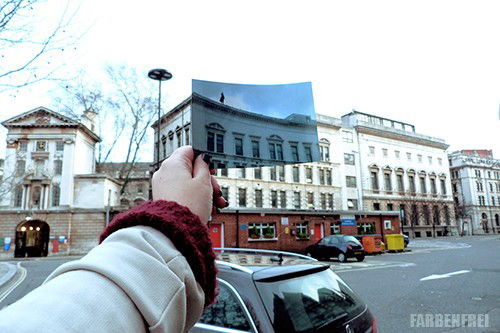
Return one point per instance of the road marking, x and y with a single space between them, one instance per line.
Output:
443 276
16 283
341 269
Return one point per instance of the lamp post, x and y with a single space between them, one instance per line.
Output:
159 74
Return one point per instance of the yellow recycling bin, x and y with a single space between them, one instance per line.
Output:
394 242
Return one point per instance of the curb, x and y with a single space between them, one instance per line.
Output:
9 275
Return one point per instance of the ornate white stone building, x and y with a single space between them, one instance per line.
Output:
475 180
402 170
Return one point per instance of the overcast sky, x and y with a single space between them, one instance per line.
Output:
434 64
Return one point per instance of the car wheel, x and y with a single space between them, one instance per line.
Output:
360 258
342 257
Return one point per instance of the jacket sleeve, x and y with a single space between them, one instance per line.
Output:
135 280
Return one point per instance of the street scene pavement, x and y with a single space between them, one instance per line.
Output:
456 275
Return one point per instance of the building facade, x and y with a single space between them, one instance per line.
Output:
401 170
52 198
475 180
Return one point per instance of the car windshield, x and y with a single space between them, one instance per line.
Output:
351 239
308 303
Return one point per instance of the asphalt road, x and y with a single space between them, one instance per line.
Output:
394 293
395 286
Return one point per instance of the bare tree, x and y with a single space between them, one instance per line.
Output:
426 211
28 42
125 108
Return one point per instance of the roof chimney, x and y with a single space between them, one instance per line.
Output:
89 119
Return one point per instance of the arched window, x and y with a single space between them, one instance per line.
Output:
388 178
124 202
411 180
399 180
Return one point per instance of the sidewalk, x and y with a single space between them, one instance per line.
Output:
7 271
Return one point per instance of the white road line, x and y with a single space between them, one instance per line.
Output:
443 276
374 267
16 283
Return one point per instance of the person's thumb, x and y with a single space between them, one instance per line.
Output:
181 160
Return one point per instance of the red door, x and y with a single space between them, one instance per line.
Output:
216 234
317 232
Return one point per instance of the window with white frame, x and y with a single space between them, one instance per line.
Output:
323 200
324 150
397 154
334 228
302 230
258 198
309 175
347 136
350 181
23 145
282 199
262 230
59 145
296 200
385 152
310 200
349 159
371 150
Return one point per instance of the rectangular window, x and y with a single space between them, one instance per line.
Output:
23 145
210 141
322 176
325 153
302 230
140 189
323 200
308 152
376 206
309 175
179 139
238 146
397 154
282 199
310 200
374 180
440 161
408 156
347 136
240 171
295 171
272 173
352 204
225 192
335 228
280 169
257 173
433 186
390 206
372 150
419 158
59 145
350 181
296 200
295 153
274 199
423 187
242 197
258 198
279 151
18 196
387 182
402 214
429 158
255 149
330 200
261 230
427 219
349 159
220 143
20 167
401 187
58 167
385 152
411 181
272 151
186 133
221 169
56 195
329 177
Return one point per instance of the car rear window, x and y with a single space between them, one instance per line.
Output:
351 239
310 302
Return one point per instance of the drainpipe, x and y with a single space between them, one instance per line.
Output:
69 240
237 228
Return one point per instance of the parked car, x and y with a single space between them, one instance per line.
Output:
338 246
407 240
279 292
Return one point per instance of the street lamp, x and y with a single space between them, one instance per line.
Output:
159 74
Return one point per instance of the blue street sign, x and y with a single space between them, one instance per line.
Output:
347 222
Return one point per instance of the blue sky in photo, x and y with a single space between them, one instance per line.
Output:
277 100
